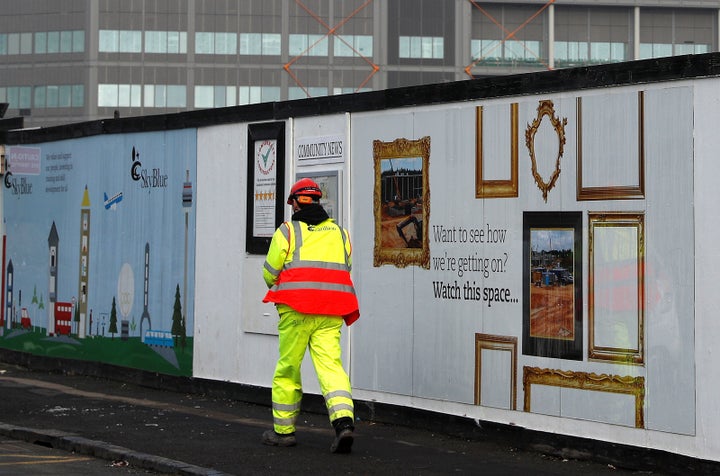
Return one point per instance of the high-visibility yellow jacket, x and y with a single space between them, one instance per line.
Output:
308 268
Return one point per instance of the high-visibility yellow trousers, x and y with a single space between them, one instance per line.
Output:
321 336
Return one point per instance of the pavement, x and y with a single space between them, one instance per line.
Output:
189 432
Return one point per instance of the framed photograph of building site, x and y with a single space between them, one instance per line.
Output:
616 287
552 284
402 202
496 139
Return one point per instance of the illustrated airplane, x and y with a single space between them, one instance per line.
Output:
111 203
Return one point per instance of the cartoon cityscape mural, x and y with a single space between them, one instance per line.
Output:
78 252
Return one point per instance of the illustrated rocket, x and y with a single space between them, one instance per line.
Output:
84 264
53 244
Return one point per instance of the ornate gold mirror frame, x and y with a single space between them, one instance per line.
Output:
546 108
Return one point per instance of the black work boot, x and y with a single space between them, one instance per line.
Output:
271 438
343 435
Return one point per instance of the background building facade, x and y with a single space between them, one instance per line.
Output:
67 61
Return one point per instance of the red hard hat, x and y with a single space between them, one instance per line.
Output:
306 187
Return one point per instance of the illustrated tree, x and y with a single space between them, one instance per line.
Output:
112 329
183 336
177 324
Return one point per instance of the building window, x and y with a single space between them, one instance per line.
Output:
492 44
78 41
572 51
310 45
176 96
118 95
166 42
164 95
26 43
299 93
53 42
204 43
40 42
209 43
18 97
266 44
256 94
361 44
177 42
78 95
66 42
13 44
425 47
52 96
591 35
39 99
225 43
337 91
120 41
64 96
508 51
667 32
215 96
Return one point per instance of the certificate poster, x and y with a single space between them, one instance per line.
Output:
265 187
266 172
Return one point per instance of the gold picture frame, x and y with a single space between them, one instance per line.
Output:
626 385
614 191
496 188
402 202
616 287
501 344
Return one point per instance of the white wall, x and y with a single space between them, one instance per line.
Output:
411 348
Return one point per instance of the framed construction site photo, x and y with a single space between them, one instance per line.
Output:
402 202
552 284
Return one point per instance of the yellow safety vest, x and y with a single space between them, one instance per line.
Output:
309 269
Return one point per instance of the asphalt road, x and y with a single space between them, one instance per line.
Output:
180 433
19 457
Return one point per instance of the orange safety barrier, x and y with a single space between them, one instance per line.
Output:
331 31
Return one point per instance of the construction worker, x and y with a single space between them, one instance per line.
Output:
307 269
